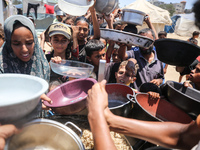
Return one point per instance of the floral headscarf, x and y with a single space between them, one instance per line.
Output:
10 63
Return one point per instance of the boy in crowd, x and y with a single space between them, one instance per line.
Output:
193 40
162 35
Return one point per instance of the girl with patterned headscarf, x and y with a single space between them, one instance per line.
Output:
10 63
21 52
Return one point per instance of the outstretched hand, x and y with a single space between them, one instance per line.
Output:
97 99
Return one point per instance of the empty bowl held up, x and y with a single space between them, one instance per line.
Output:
19 95
75 7
70 97
72 68
176 52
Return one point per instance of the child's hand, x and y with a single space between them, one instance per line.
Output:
153 95
56 59
187 84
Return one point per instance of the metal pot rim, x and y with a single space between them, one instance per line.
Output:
179 92
134 11
125 103
59 126
145 109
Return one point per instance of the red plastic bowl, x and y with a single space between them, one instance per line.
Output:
70 97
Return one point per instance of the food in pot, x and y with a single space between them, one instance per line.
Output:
119 140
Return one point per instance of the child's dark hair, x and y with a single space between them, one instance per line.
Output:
81 19
115 24
195 33
93 45
70 17
162 33
131 28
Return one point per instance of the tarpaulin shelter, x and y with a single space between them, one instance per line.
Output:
185 25
159 17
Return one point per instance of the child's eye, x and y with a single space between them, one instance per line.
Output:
120 72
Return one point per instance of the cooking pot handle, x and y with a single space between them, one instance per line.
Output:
75 126
131 98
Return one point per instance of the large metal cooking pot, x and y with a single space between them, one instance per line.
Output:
70 97
176 52
45 134
186 98
132 16
106 6
117 99
152 110
157 110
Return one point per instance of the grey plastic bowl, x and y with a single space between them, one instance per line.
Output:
19 95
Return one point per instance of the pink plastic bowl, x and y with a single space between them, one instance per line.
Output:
70 97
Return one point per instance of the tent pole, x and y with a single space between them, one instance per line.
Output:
1 13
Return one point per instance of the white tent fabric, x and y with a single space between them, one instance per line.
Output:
185 25
159 17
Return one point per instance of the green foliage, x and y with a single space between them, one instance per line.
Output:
169 7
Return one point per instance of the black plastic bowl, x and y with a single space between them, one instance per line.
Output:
186 98
176 52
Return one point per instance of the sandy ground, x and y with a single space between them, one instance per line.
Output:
171 72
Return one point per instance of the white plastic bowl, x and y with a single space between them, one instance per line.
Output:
75 7
72 68
19 95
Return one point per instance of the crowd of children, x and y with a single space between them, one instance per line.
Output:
77 38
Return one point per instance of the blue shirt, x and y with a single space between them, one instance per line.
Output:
147 71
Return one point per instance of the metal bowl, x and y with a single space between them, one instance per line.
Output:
176 52
70 97
186 98
45 134
132 16
126 37
157 110
118 102
20 94
106 6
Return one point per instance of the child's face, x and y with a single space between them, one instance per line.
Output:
59 43
83 30
115 56
96 56
69 21
195 74
124 76
162 36
22 43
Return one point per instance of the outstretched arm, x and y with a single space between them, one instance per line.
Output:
98 124
167 134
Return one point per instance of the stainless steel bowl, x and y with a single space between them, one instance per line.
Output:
106 6
45 134
132 16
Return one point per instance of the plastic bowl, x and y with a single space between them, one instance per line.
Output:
70 97
19 95
75 7
72 68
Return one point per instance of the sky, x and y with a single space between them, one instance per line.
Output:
189 3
